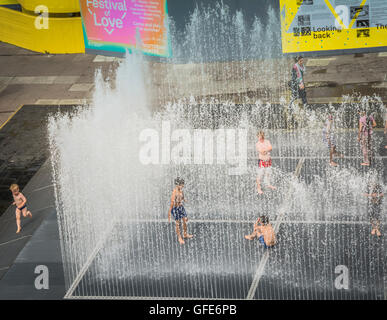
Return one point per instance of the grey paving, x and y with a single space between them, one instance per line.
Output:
24 147
43 249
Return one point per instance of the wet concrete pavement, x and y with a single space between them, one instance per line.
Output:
32 78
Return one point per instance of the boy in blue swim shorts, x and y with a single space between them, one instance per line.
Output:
177 210
264 231
330 140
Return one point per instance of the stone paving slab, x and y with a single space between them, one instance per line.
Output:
319 62
66 79
81 87
4 117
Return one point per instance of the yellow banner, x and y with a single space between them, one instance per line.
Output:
321 25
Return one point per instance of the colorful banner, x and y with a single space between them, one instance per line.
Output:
320 25
115 25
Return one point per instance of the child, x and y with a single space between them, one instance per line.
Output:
297 84
178 211
20 203
263 148
264 231
366 123
375 194
329 140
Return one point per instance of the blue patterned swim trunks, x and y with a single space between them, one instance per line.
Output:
178 213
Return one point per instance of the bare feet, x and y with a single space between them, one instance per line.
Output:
18 230
29 214
333 164
181 241
249 237
373 231
188 236
365 163
272 187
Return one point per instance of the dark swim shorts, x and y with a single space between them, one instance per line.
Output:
178 213
22 207
261 240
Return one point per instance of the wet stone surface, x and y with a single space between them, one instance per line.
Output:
24 147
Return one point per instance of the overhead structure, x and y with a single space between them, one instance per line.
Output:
47 26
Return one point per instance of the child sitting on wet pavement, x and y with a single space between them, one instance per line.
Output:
264 231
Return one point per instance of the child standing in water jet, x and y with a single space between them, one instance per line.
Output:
264 231
178 211
329 140
366 123
263 147
20 203
375 199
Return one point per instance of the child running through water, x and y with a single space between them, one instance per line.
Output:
375 199
264 231
366 123
263 147
330 141
178 211
20 203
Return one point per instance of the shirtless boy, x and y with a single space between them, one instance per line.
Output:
264 231
263 148
178 211
20 203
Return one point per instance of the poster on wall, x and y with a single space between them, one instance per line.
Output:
119 25
324 25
